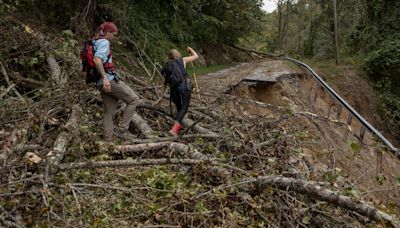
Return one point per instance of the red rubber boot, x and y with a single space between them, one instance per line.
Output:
175 128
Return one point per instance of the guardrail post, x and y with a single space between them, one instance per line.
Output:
329 110
316 93
349 119
339 112
330 106
310 90
362 133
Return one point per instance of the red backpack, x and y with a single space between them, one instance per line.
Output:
88 65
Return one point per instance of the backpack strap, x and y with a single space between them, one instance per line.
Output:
177 70
109 68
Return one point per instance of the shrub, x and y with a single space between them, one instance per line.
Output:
389 106
384 62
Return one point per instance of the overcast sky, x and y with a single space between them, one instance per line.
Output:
269 5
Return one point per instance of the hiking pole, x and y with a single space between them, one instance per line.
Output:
195 81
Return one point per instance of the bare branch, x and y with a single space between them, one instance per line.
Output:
127 163
141 147
5 75
7 91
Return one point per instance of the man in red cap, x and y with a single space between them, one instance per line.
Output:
111 87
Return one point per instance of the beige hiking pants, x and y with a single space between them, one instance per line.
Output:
119 91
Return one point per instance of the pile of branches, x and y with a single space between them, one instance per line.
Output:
226 169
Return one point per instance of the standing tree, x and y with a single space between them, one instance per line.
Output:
336 32
283 24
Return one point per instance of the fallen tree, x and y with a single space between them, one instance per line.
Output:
284 183
55 156
128 163
319 193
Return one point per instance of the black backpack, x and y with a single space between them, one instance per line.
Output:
174 73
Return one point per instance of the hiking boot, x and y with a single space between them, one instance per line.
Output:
175 129
124 134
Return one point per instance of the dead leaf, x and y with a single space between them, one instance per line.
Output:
28 29
32 157
157 217
306 220
53 121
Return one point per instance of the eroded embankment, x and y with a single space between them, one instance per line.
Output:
327 142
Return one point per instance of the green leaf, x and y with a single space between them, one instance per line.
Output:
67 33
350 191
227 130
306 220
330 176
398 181
380 179
200 207
355 147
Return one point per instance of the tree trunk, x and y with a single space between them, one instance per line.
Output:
189 123
336 32
280 24
173 138
142 125
312 190
127 163
315 191
27 83
55 71
141 147
55 156
287 28
186 121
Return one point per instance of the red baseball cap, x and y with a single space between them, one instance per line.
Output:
107 27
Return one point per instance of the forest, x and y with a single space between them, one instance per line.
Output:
262 144
367 35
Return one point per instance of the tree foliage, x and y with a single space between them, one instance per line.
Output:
156 25
368 30
379 33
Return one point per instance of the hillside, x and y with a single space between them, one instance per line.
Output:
204 177
262 144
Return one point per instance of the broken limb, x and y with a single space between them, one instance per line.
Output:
142 125
55 156
128 163
314 191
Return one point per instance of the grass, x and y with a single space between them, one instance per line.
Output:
325 68
202 70
329 71
199 70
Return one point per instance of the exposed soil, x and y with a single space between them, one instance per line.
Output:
321 132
